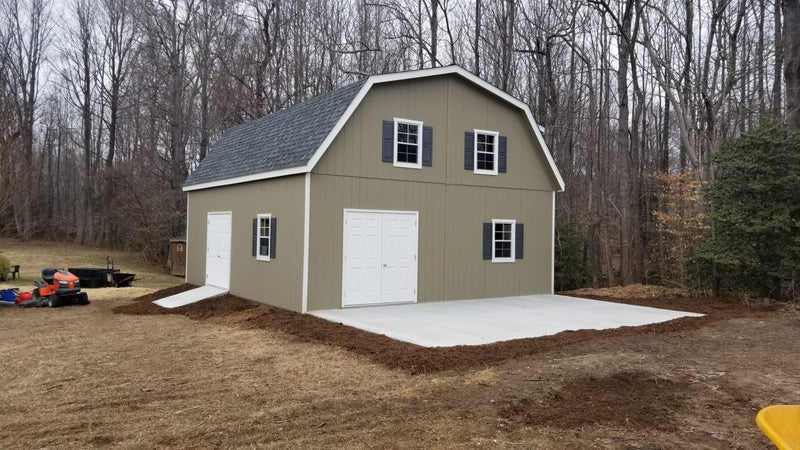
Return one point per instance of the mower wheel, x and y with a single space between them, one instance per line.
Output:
53 301
83 298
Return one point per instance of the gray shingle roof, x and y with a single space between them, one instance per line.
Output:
282 140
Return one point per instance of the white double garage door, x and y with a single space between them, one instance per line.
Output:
379 255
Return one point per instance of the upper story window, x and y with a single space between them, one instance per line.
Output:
407 143
486 152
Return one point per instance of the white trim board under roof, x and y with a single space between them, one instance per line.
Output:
356 101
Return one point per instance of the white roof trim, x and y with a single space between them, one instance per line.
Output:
385 78
247 178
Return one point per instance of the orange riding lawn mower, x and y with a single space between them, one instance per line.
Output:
57 287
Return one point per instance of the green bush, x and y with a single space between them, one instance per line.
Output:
570 266
755 242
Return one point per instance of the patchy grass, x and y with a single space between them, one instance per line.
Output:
33 256
87 376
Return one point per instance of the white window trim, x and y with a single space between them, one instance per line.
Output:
418 165
259 256
496 146
513 240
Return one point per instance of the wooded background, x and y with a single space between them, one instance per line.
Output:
106 105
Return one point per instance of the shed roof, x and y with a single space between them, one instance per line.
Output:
292 140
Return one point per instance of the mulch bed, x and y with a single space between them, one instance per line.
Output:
416 359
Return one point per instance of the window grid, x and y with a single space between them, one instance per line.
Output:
485 151
407 143
263 236
503 240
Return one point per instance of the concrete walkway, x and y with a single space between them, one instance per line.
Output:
191 296
477 322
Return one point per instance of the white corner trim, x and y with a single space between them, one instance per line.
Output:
186 255
553 248
385 78
306 236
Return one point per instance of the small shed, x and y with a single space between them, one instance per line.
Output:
177 256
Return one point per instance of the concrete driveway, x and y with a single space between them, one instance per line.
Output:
477 322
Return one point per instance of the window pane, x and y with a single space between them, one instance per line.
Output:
407 143
489 138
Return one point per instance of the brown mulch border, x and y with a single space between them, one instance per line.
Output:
416 359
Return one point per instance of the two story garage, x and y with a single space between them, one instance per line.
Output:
421 186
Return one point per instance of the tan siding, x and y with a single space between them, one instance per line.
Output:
452 107
277 282
450 236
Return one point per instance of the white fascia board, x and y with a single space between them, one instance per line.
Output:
247 178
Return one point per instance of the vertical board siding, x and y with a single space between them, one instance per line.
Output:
277 282
451 266
452 202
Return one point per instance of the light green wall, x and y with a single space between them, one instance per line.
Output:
450 237
453 203
277 282
452 107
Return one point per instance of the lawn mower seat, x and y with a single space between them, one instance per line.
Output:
47 274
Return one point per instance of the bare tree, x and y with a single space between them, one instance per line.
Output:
28 33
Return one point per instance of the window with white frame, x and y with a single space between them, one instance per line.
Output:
503 240
264 236
407 143
486 152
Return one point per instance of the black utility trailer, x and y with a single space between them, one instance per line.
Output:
98 277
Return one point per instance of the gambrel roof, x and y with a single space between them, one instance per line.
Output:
292 140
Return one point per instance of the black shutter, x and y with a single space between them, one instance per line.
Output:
518 245
388 141
427 146
469 148
273 225
255 237
487 240
501 165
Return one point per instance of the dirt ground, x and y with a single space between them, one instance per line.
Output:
231 373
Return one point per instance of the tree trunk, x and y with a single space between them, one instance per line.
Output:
791 60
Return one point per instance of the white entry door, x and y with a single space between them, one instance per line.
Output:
380 257
218 249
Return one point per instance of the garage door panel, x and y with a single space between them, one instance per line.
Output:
380 258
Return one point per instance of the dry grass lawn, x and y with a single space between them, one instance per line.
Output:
84 376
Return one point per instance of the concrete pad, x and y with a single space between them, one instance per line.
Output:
478 322
190 296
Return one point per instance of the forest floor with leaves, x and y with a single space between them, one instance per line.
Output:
231 373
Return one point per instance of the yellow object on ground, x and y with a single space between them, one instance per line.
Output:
781 423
